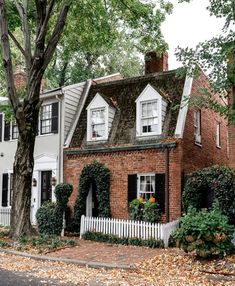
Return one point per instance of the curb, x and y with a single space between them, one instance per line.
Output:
91 264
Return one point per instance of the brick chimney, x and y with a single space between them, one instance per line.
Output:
155 63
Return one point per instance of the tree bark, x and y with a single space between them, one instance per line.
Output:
26 111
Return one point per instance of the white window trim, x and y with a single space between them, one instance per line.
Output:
197 135
91 107
89 128
39 120
138 182
218 135
149 94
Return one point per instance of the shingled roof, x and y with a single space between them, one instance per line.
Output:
122 95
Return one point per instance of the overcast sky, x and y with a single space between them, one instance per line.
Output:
189 24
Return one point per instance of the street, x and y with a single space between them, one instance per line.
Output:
11 278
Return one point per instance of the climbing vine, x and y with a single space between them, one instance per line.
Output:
206 185
100 175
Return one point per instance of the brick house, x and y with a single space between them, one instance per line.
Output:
144 131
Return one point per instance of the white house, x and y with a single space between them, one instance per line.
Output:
57 120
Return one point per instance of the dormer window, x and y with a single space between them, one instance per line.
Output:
100 116
98 123
150 112
149 116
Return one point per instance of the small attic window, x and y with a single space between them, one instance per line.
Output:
149 116
99 119
98 123
149 112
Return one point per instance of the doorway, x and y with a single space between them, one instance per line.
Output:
92 202
46 191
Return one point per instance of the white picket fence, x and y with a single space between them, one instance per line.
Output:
128 228
5 215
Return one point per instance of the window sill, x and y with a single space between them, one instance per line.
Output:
47 134
198 144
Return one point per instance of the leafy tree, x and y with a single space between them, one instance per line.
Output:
40 39
35 28
212 55
109 33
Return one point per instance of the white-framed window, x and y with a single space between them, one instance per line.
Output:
99 119
149 112
197 127
14 131
149 117
45 119
97 123
48 122
218 143
146 185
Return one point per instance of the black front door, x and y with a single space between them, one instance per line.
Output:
45 186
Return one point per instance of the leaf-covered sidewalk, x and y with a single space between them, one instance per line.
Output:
166 267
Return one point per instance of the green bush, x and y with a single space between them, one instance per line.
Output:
210 184
206 232
50 215
144 210
113 239
48 220
151 212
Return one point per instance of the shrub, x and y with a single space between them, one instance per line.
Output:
49 222
144 210
50 215
205 186
206 232
151 212
108 238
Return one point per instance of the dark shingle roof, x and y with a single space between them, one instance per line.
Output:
122 95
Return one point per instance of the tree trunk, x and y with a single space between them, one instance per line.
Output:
23 171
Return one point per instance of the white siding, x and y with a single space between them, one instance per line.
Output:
72 95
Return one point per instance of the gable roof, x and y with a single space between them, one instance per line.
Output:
123 94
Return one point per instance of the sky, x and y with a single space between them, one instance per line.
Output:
189 24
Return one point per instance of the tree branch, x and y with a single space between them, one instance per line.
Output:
17 43
6 57
44 27
54 39
22 11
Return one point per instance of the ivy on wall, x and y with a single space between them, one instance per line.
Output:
206 185
100 175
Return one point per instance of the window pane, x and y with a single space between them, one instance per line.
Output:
46 118
98 123
147 186
149 117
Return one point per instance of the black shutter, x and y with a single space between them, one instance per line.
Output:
54 121
7 131
0 127
132 187
4 189
160 190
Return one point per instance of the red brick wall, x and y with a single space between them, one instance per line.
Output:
120 165
197 157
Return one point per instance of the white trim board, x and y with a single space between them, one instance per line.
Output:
179 130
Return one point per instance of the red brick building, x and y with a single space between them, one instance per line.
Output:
145 132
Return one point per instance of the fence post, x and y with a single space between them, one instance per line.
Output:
82 226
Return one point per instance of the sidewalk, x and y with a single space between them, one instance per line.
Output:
103 253
99 255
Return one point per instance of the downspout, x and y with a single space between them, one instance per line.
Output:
167 184
60 153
